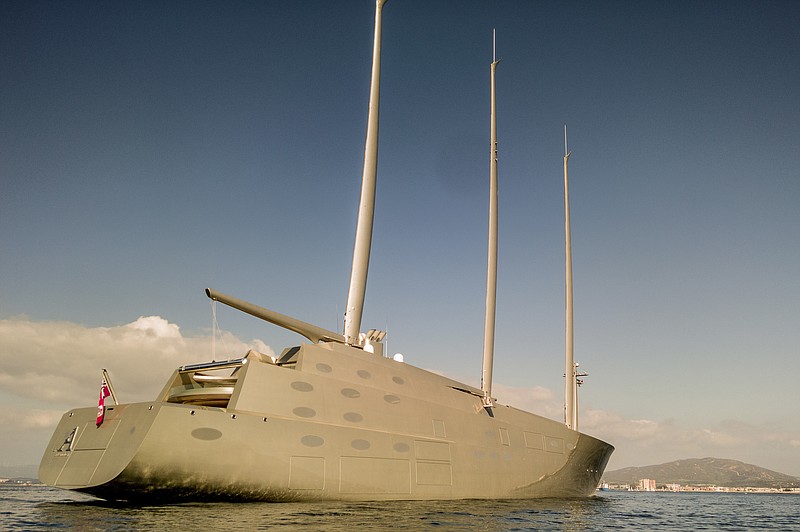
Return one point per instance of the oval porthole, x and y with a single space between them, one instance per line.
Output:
304 411
206 433
301 386
312 441
354 417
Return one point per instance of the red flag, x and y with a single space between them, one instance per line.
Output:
101 404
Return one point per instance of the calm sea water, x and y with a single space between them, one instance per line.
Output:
42 508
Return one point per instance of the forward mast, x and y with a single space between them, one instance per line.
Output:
366 207
491 273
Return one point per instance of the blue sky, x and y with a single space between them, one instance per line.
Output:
149 150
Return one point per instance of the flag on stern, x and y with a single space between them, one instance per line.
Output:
101 403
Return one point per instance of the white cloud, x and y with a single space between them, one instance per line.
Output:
644 442
156 326
537 399
60 363
29 418
640 442
46 368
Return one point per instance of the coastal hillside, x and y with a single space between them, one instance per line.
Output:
704 472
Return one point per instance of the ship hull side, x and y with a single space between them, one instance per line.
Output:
211 454
339 425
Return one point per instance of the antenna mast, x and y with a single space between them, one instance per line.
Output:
491 274
366 208
570 374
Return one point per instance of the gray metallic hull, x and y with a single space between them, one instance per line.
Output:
335 423
327 420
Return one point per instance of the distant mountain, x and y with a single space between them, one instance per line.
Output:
703 472
23 471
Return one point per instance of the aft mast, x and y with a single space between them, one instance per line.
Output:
491 274
366 208
570 374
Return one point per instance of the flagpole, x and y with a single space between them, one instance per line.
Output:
110 388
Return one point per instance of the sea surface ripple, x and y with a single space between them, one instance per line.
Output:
43 508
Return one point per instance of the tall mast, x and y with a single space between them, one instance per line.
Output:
491 274
570 376
366 207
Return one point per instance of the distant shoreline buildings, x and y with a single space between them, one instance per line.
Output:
649 484
20 482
